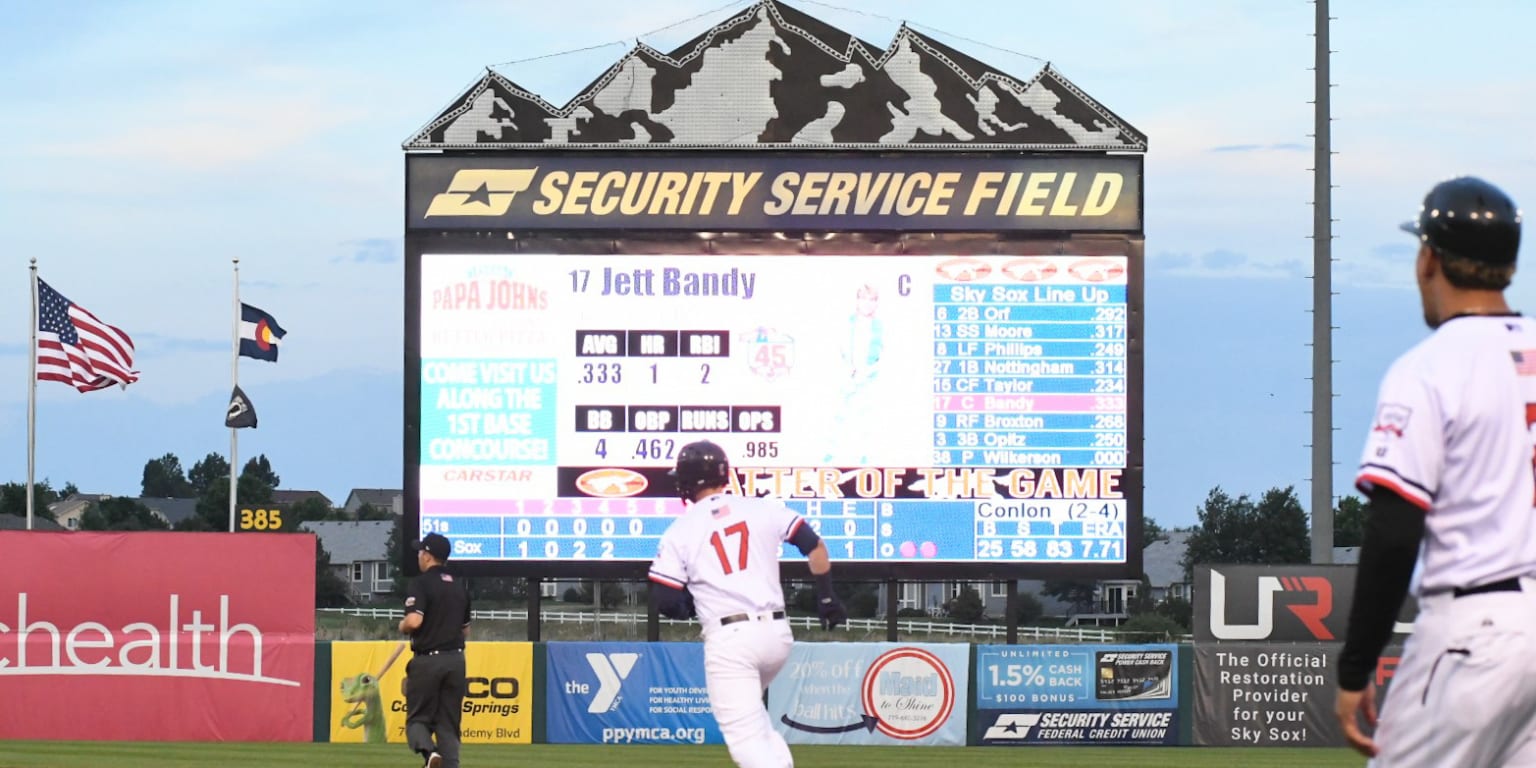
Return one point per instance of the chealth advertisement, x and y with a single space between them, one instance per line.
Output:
872 693
157 636
369 707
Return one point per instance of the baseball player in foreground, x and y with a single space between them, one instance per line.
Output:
1449 471
720 561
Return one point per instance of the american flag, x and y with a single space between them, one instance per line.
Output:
1525 362
77 348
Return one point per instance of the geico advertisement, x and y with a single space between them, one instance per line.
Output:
157 636
368 697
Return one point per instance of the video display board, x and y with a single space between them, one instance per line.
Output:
944 409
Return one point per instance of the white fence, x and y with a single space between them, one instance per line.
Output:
992 631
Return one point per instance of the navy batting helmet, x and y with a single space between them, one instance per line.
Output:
700 465
1470 218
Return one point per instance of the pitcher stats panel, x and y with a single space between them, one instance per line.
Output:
950 409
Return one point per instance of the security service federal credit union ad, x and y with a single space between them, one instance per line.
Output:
1076 694
157 636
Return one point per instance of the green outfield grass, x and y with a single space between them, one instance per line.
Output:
37 754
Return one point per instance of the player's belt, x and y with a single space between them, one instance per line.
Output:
440 650
1507 585
735 617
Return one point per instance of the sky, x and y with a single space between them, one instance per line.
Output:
150 143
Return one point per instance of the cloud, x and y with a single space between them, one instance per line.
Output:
1394 251
1171 260
372 250
1222 259
1288 146
161 343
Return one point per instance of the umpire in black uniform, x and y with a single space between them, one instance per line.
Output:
437 620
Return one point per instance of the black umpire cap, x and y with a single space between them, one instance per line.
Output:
1470 218
436 544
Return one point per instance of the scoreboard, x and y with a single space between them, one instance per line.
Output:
942 409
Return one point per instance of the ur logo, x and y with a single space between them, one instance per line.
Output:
481 192
1012 725
1311 615
611 670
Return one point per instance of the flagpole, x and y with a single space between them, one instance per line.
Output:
234 373
32 401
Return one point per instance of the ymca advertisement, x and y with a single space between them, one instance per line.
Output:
368 694
1076 694
872 693
628 693
157 636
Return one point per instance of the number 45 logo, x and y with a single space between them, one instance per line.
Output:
770 352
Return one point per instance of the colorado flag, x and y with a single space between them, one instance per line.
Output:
259 334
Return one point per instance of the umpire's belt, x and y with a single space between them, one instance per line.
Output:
735 617
1507 585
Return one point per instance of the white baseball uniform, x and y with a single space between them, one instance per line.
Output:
1453 435
725 550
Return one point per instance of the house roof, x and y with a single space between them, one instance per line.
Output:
352 541
378 497
1346 555
292 497
19 523
1160 561
172 510
78 499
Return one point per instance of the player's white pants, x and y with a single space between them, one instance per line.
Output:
740 660
1464 693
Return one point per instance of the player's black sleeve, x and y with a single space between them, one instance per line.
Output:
1388 551
671 602
804 538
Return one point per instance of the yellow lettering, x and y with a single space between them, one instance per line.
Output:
581 190
782 192
554 196
985 188
1036 190
1103 193
943 190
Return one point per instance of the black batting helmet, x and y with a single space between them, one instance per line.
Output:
700 465
1470 218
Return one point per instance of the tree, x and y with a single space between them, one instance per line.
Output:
261 469
312 508
330 590
370 512
1349 522
1028 610
1151 628
967 606
13 498
206 471
1179 610
213 505
121 514
1142 601
1238 531
164 479
1080 595
1151 532
612 594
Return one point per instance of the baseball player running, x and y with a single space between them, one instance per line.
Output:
720 561
1448 468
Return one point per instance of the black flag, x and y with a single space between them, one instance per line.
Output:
241 413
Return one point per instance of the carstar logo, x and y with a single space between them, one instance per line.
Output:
611 670
1311 614
481 192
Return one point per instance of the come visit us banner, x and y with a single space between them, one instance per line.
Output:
367 707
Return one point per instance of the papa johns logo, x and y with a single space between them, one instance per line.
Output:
910 692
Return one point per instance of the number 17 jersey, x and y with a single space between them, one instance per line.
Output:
1452 436
725 550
